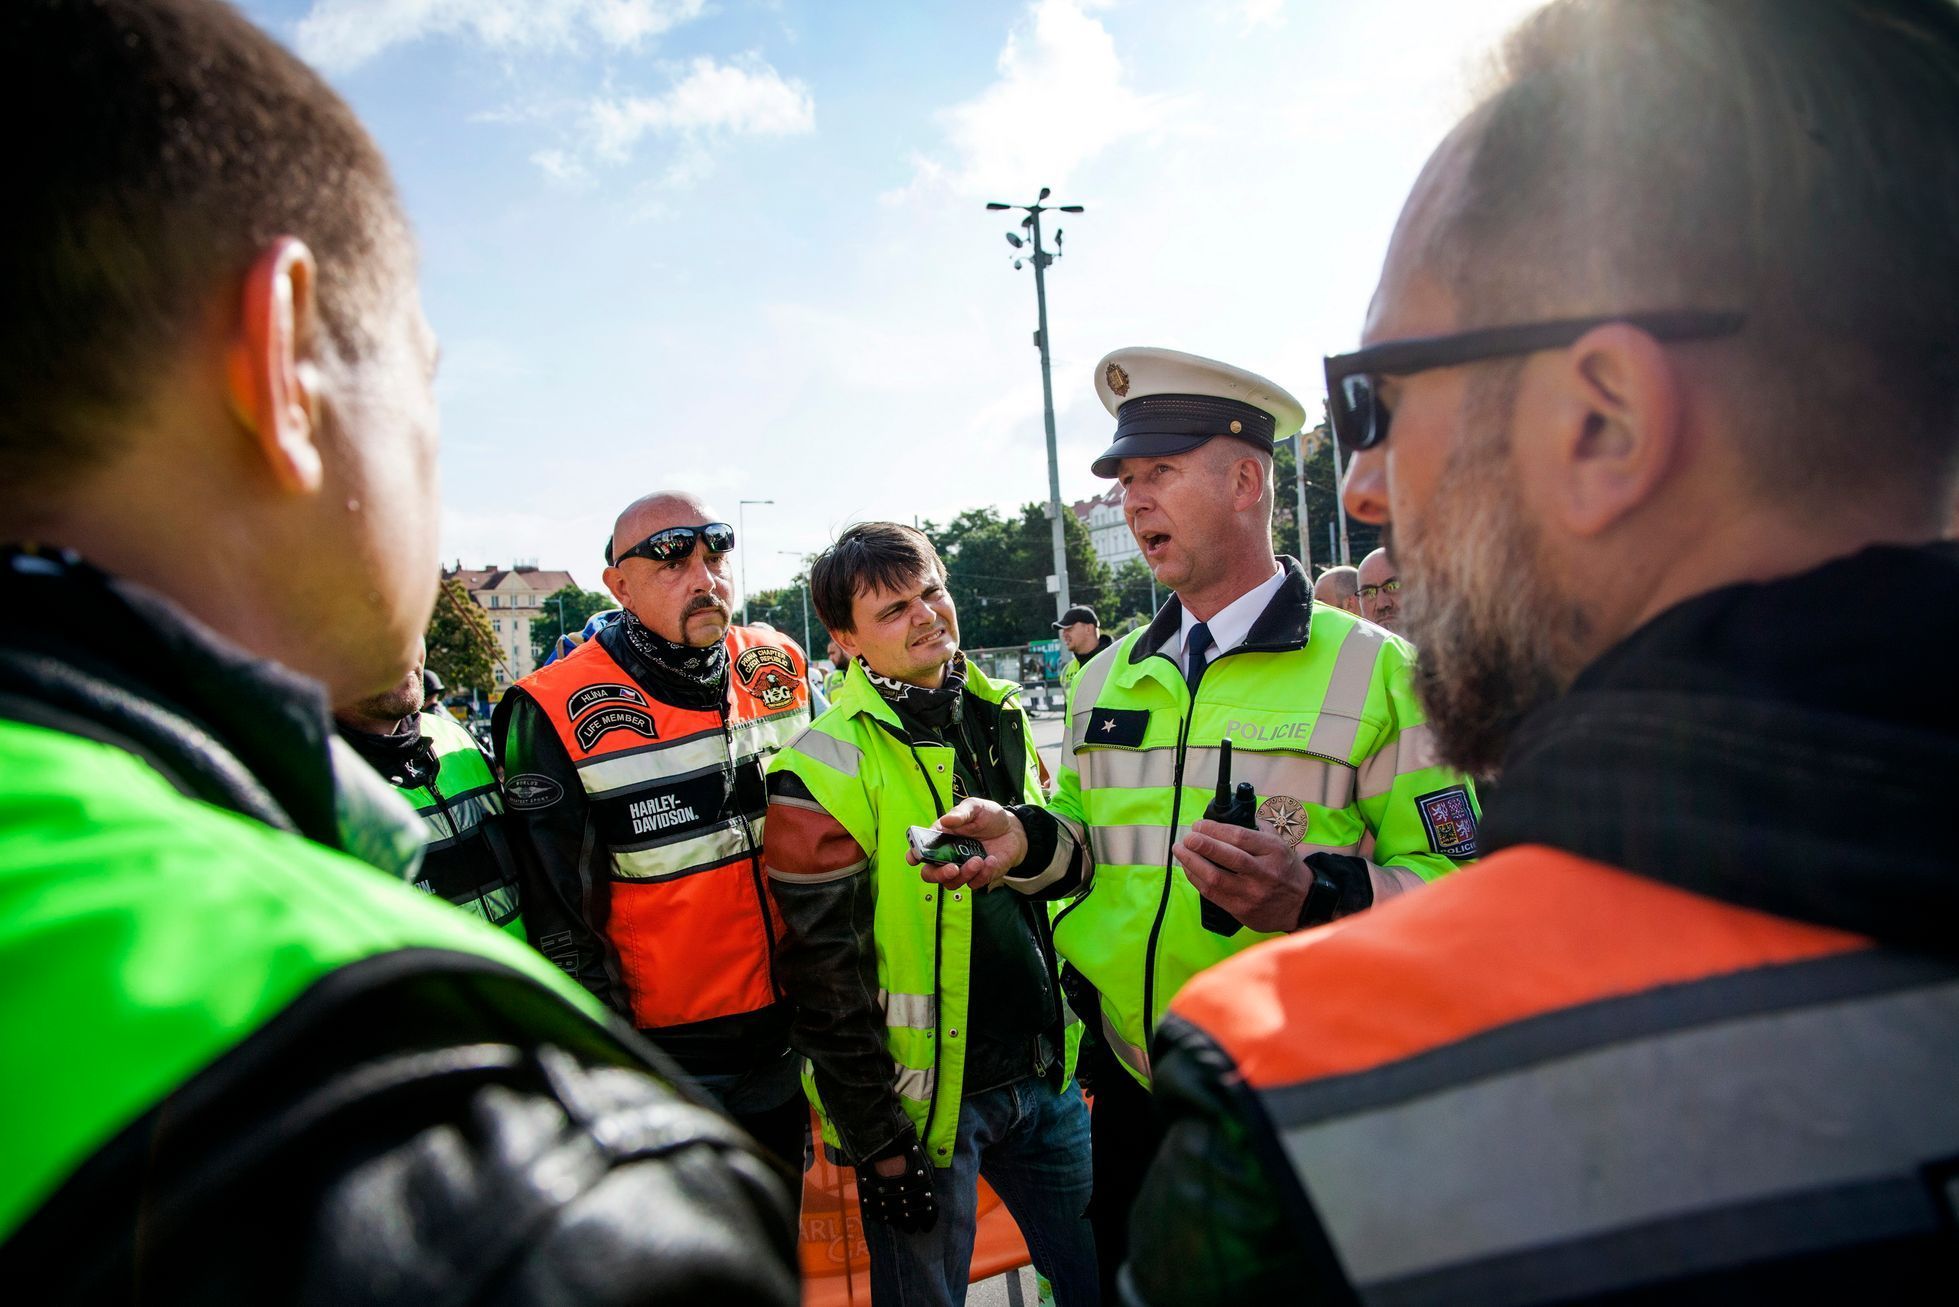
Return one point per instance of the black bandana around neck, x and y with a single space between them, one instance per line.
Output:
937 706
702 670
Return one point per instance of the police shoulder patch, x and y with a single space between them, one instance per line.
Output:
1450 819
529 791
619 717
591 696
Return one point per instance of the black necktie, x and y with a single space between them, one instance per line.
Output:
1197 654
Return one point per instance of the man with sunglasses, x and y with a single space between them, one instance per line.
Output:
1659 404
1380 591
634 794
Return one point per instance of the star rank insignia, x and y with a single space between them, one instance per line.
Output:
1119 727
1286 816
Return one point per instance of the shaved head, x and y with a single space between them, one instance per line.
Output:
688 600
656 512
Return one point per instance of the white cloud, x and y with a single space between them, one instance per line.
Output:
1060 99
341 35
712 99
1257 14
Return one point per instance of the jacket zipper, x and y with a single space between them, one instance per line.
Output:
755 875
938 953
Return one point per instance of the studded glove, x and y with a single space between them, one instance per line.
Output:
903 1201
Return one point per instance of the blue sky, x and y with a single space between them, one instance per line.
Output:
738 245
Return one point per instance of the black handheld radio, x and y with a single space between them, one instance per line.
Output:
1233 809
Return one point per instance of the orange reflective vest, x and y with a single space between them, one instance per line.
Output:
1547 1078
677 799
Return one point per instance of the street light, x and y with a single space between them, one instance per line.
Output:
741 522
793 553
1040 258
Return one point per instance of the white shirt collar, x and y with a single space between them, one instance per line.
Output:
1234 621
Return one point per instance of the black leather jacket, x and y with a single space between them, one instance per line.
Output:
413 1129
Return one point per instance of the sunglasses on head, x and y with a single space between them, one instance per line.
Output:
1359 418
676 542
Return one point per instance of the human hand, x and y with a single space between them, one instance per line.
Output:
1252 874
897 1191
999 833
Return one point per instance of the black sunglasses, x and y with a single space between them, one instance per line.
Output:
1360 419
677 542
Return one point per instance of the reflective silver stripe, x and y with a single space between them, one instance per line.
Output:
1703 1123
767 734
914 1083
496 907
1271 771
692 853
1087 686
1133 1057
1346 692
910 1011
796 801
816 878
829 750
447 826
1412 751
1057 866
619 771
1131 846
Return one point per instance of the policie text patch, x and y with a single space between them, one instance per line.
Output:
616 718
1119 726
1451 822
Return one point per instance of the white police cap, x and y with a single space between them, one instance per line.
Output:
1166 402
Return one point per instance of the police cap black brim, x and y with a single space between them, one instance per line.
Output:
1142 446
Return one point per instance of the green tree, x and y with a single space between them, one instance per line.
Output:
784 609
998 568
463 649
1322 504
579 605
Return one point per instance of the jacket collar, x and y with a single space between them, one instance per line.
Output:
1745 746
237 731
858 697
1284 625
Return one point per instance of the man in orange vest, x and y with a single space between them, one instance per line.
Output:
633 789
1660 399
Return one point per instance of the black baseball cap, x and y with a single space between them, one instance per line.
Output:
1079 613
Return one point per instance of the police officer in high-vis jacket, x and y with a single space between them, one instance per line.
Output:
443 773
1318 709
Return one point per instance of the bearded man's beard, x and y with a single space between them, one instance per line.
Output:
1494 637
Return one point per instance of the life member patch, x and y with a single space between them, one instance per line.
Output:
529 792
616 718
1123 727
594 695
1451 822
768 673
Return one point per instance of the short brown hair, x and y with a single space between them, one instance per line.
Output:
1796 160
162 145
870 555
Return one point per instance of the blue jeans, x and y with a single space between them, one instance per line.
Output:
1031 1144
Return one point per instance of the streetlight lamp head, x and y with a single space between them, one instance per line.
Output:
995 205
1071 208
1014 240
1016 265
1042 196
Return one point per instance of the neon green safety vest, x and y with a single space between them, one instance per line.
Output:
858 765
466 859
833 681
144 935
1333 741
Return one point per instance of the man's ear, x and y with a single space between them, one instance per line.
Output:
1619 427
847 642
615 581
272 376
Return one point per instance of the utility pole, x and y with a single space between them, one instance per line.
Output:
1299 487
1340 505
741 517
1040 258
